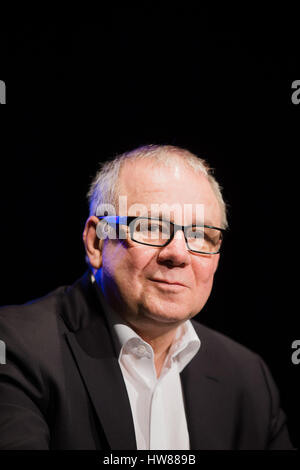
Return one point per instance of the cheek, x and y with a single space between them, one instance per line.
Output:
125 263
204 270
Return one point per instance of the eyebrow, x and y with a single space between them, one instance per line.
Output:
113 219
161 217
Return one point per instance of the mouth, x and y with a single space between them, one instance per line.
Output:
174 284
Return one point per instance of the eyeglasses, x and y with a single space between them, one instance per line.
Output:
205 239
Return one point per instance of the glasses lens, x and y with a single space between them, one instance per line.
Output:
204 239
150 231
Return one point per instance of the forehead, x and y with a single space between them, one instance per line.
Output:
153 183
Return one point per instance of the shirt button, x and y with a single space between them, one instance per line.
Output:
141 350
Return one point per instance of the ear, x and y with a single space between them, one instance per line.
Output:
93 246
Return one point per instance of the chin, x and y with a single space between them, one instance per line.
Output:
167 315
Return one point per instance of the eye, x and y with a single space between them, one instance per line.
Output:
153 226
195 232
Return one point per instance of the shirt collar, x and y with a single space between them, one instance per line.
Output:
185 346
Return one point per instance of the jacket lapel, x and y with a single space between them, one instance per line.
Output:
201 396
93 351
206 399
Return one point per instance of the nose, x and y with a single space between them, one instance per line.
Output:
176 252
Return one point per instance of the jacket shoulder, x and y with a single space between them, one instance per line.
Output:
31 331
37 324
222 351
33 312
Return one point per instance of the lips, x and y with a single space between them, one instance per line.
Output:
171 283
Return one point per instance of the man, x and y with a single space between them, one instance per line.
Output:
115 361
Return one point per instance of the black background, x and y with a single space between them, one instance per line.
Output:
79 93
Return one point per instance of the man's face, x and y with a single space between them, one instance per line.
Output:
131 272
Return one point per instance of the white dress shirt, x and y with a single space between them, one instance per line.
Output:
157 404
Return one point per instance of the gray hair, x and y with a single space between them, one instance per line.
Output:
105 185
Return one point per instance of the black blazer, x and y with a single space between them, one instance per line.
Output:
62 387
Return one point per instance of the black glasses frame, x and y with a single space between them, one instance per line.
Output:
127 220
